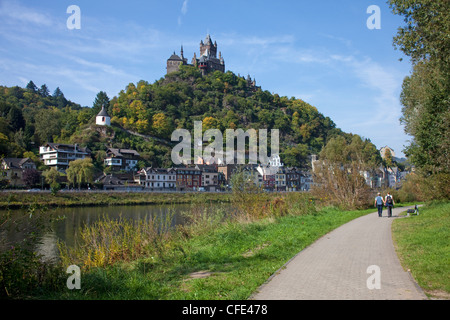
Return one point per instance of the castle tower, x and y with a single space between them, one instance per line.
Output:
174 62
208 47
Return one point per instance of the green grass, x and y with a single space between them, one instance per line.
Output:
422 244
235 258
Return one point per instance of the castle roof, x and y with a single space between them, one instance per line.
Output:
175 57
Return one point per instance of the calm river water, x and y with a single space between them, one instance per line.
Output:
78 217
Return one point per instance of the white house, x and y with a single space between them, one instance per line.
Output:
157 179
103 119
121 159
275 161
59 155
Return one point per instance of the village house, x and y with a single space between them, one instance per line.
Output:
252 175
121 159
58 155
210 177
13 169
188 179
280 179
293 179
157 179
119 182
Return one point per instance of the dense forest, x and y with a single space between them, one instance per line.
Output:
32 116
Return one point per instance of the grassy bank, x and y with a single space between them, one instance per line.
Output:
215 259
17 200
422 244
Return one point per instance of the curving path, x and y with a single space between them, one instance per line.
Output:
336 266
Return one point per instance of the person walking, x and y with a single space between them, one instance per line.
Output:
389 202
379 202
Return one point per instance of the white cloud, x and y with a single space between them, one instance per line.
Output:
184 8
14 11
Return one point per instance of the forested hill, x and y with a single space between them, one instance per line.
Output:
31 116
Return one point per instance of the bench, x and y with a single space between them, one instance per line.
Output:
415 210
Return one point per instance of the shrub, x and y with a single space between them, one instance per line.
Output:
23 271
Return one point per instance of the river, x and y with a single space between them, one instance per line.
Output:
75 218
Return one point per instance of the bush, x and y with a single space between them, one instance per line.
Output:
23 271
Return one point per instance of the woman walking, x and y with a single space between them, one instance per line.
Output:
389 202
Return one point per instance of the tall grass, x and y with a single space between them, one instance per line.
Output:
108 241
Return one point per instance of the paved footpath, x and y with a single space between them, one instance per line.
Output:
335 267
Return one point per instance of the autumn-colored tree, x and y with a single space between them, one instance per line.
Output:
161 125
210 123
338 174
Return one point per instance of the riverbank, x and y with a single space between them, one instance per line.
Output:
218 254
226 261
19 200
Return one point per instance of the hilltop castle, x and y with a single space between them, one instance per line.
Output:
208 61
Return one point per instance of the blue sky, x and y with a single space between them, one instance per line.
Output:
319 51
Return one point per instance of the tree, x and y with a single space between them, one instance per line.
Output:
338 175
101 100
161 125
426 93
53 178
59 98
296 156
47 124
15 119
388 158
425 35
31 177
32 87
43 91
80 171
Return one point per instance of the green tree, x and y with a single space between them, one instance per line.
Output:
101 100
296 156
15 119
47 124
53 178
32 87
80 171
43 91
59 98
426 93
425 35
